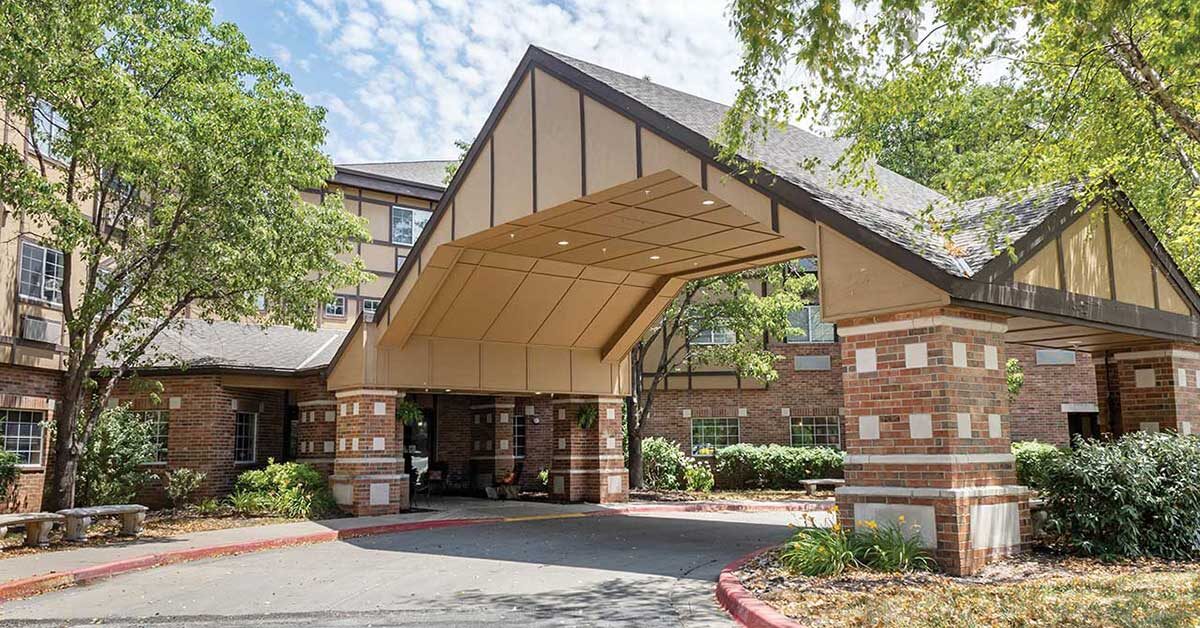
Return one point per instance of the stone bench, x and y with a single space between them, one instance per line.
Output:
810 486
78 519
37 526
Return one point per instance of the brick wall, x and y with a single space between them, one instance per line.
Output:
760 412
1037 411
200 433
23 388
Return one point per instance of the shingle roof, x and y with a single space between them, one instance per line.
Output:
429 172
806 160
196 343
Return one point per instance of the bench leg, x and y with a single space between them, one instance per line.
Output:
77 529
3 533
38 534
131 523
811 489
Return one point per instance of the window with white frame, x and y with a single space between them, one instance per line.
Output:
245 436
719 336
336 308
41 273
709 435
518 438
160 420
48 128
22 435
1054 357
370 306
808 320
407 224
817 431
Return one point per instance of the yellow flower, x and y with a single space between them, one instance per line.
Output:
871 524
900 519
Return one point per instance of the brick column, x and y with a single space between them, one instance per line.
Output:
491 440
927 434
588 464
1159 388
316 430
368 477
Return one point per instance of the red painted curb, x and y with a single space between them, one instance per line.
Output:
746 609
35 585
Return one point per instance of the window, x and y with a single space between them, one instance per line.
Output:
48 127
22 432
407 224
41 273
1050 357
400 261
336 308
714 337
808 320
817 431
709 435
370 306
518 440
161 421
260 302
245 436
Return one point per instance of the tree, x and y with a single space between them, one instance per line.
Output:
1010 93
167 166
730 306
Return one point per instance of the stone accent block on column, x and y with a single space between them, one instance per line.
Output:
912 447
368 477
1152 387
588 464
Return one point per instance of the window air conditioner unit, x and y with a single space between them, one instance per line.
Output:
41 330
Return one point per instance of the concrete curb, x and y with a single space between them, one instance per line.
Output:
740 603
36 585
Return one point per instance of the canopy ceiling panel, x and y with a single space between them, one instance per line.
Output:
577 275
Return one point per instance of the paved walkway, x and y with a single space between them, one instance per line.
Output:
543 567
440 509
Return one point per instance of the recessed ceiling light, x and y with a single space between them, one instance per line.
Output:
655 257
512 235
647 192
563 243
707 201
447 390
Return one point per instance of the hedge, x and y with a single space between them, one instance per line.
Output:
746 466
1033 459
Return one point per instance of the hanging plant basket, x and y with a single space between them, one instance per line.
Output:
409 413
587 417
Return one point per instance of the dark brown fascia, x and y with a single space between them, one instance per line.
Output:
391 185
1060 306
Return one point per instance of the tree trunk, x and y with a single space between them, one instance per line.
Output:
635 456
66 455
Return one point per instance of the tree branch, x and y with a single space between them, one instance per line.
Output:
1132 64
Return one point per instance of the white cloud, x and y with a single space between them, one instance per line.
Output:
415 75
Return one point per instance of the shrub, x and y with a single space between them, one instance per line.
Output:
831 551
181 483
698 476
1138 496
9 472
1033 459
662 464
544 477
286 489
774 466
111 469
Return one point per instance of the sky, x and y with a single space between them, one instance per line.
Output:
403 79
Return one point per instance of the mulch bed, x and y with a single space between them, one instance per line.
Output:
159 524
819 601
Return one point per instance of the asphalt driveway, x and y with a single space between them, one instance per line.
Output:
645 570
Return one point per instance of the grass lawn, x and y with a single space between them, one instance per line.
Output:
1042 591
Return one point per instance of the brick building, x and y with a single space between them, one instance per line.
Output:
507 305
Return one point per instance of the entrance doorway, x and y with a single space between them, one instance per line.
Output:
1085 424
420 443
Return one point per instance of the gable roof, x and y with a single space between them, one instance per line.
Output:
224 345
807 160
430 172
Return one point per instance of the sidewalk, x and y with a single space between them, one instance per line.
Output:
28 575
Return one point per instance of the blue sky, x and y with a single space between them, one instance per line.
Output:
403 79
